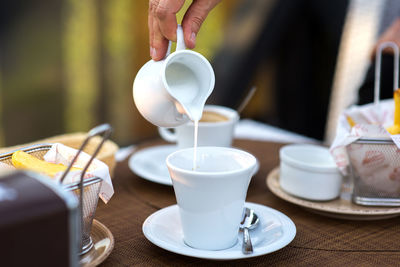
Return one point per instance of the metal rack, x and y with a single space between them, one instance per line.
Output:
87 190
365 193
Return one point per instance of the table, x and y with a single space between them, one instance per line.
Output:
319 240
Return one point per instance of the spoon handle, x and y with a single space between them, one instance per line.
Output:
247 247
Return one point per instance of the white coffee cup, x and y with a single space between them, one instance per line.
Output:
218 133
211 198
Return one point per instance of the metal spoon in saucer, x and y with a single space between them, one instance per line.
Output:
250 221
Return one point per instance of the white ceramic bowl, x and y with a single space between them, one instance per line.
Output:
308 171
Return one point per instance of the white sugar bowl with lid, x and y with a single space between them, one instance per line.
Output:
309 171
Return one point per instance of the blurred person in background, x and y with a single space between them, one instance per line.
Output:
300 38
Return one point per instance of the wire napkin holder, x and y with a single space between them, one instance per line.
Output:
365 193
87 190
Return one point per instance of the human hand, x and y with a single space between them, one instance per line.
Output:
163 25
391 34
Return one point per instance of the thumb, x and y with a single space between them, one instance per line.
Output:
194 18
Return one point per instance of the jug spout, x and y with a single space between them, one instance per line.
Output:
189 79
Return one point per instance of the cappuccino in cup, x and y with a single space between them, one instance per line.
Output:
215 128
212 116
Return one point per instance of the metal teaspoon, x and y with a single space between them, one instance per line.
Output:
249 221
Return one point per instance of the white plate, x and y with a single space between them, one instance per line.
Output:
337 208
276 230
149 163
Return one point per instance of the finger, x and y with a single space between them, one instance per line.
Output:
166 16
152 5
158 43
194 18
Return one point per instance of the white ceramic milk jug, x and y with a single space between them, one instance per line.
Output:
170 92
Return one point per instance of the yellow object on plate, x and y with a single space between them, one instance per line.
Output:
23 160
75 140
395 129
350 121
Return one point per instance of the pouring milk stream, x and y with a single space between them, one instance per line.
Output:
170 92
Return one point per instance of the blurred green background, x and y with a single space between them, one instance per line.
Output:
68 65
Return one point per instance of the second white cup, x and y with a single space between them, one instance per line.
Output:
215 129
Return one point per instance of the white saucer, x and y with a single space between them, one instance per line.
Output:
276 230
149 163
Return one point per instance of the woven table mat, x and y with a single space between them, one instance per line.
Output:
319 240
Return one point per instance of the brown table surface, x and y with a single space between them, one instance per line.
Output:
319 240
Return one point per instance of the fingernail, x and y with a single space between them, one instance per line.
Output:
153 52
193 37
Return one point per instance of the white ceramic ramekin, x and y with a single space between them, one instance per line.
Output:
308 171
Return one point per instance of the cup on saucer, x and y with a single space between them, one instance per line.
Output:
216 128
211 197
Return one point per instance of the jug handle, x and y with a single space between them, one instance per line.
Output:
180 41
